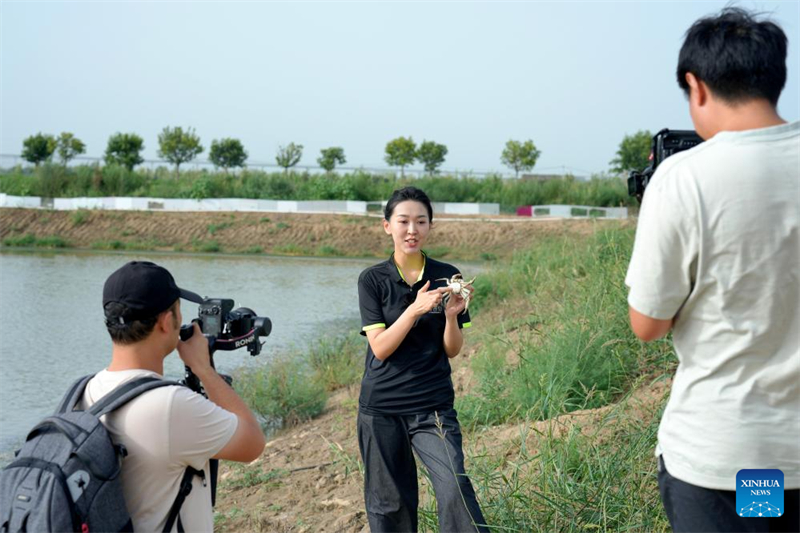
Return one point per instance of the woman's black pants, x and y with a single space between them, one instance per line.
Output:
387 444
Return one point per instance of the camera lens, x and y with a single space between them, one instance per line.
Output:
263 326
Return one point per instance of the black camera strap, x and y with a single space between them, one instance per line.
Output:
183 492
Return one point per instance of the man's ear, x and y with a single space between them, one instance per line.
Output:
165 321
698 90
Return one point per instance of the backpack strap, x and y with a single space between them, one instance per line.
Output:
73 395
127 392
183 492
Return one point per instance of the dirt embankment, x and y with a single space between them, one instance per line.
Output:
271 233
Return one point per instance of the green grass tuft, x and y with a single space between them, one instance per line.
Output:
282 391
337 362
29 241
79 217
108 245
214 228
206 246
328 251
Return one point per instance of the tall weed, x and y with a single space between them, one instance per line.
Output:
337 362
282 391
572 479
571 347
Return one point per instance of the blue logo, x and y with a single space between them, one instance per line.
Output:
759 493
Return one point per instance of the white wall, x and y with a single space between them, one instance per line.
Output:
579 211
227 204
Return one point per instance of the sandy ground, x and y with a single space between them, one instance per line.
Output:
277 233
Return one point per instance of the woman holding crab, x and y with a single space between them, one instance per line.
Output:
412 316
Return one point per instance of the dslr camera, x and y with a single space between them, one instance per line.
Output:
665 143
226 329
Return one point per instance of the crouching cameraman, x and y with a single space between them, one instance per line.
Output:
717 260
168 429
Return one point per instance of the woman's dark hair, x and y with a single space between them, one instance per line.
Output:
131 331
407 193
737 56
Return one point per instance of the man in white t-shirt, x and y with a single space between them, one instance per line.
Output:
167 429
717 261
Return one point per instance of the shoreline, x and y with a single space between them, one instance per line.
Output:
278 234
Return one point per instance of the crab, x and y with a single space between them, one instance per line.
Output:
457 285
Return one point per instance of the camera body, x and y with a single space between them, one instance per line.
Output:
227 328
232 328
665 143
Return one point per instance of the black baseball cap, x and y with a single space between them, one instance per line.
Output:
145 289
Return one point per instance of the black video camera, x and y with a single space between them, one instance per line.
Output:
665 143
226 329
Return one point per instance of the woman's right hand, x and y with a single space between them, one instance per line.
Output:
426 300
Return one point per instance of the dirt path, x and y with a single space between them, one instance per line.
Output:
467 238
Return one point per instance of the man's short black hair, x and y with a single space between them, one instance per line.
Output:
738 57
132 331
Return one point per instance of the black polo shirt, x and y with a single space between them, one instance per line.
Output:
416 377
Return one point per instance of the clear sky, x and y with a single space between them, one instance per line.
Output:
574 77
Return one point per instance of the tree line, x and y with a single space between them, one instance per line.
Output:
179 146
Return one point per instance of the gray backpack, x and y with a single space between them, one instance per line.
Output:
66 476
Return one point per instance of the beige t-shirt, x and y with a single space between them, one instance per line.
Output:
718 245
164 430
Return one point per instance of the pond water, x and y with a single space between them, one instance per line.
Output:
52 317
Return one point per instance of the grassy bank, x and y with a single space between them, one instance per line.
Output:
569 346
52 181
558 401
294 387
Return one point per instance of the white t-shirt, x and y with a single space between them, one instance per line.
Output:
164 430
718 247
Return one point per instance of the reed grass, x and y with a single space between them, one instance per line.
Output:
569 343
557 479
282 392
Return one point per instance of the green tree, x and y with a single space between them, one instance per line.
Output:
38 148
124 149
633 152
520 156
431 154
289 155
401 152
227 153
331 157
178 146
69 146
